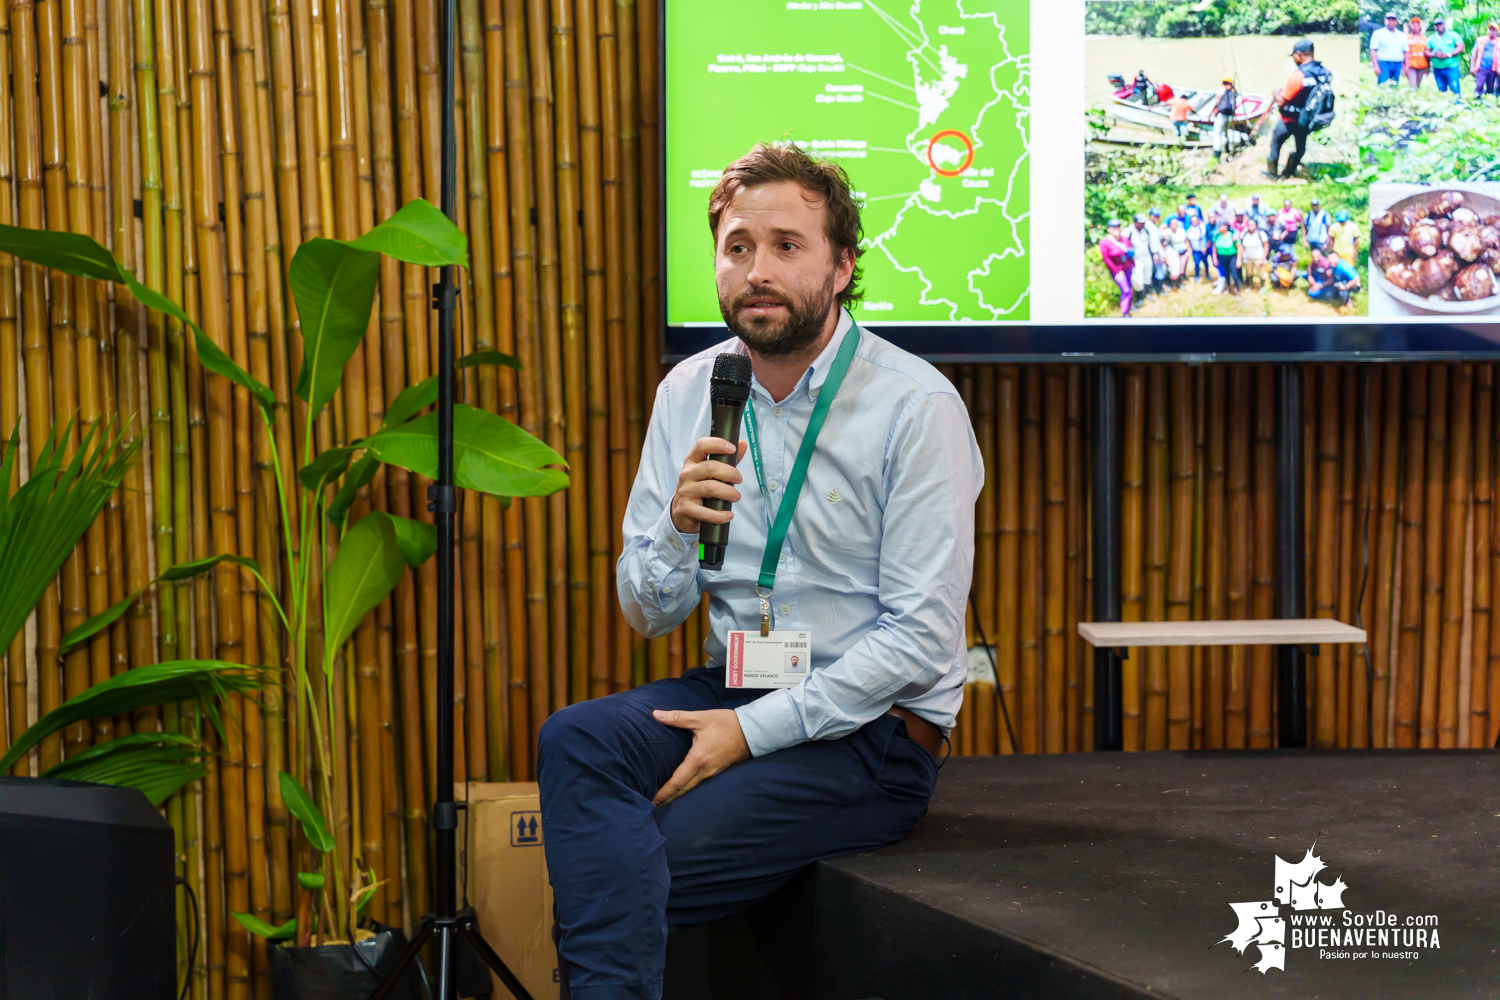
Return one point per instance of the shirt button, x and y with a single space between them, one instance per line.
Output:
776 411
813 393
674 542
786 609
667 591
773 484
781 558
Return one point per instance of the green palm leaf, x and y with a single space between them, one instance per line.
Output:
42 521
156 763
203 681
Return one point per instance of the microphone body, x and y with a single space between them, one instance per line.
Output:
729 394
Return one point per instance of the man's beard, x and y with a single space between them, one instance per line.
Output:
788 338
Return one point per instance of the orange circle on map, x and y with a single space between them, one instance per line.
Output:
968 145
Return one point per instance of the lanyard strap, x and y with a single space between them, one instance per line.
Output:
776 533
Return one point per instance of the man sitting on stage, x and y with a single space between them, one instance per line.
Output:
686 800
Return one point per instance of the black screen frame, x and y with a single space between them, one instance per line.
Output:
1105 341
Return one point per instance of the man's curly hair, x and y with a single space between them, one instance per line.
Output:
770 162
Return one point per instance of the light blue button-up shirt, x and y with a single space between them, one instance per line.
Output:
879 557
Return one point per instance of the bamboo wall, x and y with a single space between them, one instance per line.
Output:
204 140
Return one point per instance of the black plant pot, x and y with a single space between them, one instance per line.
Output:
338 972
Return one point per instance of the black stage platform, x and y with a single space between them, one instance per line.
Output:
1112 875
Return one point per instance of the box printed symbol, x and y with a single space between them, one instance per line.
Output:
525 829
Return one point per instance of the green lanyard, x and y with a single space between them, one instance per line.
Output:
776 533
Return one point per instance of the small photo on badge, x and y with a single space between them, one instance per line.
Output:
796 663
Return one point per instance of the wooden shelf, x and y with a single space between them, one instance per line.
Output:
1246 632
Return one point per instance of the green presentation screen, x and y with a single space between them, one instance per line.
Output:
924 104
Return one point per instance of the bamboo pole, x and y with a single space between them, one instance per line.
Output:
80 96
554 430
1388 532
1491 664
10 375
1347 558
34 347
1325 547
1179 555
1132 502
1074 659
509 691
1409 653
486 724
1433 577
571 508
1154 734
1226 543
590 137
1484 441
611 167
984 509
530 646
1262 563
1456 513
1054 406
1031 560
1008 540
1372 393
65 385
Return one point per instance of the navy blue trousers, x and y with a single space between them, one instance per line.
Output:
624 873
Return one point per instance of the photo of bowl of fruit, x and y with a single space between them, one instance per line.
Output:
1439 251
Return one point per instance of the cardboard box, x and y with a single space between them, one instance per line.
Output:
508 886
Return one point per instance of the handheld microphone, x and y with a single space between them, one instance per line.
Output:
728 392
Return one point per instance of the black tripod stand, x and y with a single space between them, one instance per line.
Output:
448 923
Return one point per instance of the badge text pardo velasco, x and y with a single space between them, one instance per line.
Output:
1307 914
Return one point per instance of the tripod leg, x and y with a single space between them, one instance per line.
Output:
418 939
493 960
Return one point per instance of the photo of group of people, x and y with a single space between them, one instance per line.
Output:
1247 252
1343 159
1220 175
1430 91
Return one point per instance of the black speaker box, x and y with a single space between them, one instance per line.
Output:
87 908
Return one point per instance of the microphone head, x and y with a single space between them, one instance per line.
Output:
730 383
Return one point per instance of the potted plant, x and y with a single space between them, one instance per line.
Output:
334 283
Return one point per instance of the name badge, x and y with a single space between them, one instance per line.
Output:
777 660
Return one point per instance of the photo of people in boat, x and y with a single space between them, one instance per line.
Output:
1435 250
1214 93
1241 251
1430 91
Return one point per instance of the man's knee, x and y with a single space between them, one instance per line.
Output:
574 729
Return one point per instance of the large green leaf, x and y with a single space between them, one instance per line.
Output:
107 617
260 928
418 539
418 234
184 570
334 284
490 454
43 520
324 469
156 763
204 681
365 570
360 474
411 399
73 253
300 805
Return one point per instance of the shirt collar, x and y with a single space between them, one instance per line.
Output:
817 372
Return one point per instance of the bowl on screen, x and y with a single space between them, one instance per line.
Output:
1480 201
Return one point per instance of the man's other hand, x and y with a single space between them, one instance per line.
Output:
701 479
718 743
